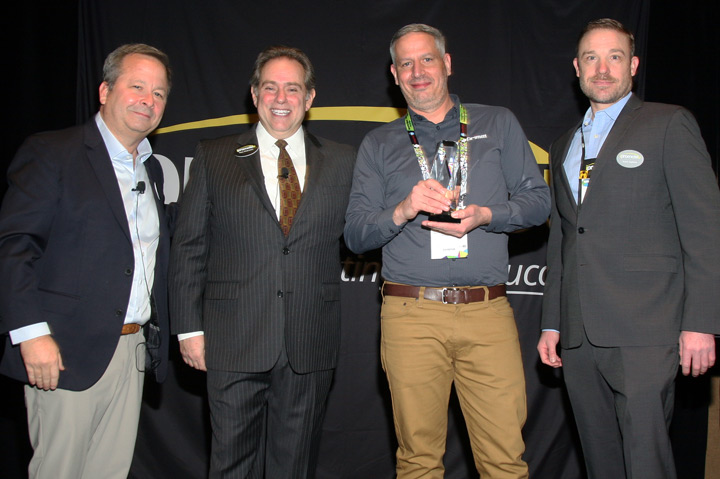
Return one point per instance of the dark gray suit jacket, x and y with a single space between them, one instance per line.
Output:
639 261
66 256
235 276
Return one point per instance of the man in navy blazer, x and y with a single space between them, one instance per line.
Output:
255 295
84 250
633 264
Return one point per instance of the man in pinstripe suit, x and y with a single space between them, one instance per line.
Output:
255 306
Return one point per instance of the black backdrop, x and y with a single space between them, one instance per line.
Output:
512 53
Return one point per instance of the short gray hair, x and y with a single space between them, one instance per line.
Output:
418 28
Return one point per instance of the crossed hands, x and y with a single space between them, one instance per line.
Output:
431 197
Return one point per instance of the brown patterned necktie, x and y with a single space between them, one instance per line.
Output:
289 188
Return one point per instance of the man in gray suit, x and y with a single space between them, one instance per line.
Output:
254 285
633 264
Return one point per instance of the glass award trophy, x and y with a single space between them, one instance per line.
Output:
447 171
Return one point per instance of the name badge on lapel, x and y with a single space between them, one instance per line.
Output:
630 158
246 150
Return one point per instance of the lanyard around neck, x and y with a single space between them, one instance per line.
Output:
420 151
586 167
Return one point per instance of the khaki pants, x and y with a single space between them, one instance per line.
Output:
426 347
89 434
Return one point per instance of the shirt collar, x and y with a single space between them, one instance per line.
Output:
296 141
452 114
612 112
115 148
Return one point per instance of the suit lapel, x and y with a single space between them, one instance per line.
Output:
610 146
559 166
100 162
621 126
314 160
253 169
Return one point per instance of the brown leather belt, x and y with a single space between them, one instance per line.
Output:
130 328
445 295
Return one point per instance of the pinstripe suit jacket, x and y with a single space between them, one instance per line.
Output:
638 262
235 276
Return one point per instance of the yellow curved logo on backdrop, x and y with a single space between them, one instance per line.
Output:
325 113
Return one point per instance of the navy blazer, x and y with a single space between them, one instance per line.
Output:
66 256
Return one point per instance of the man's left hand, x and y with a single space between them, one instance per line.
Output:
697 352
471 217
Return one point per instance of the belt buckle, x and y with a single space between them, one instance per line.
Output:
444 293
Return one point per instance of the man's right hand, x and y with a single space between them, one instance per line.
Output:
426 195
43 361
193 352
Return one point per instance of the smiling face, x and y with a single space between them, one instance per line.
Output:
281 98
135 104
422 71
605 67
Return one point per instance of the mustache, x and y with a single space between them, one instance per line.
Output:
603 77
421 79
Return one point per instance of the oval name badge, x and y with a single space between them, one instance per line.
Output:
630 158
246 150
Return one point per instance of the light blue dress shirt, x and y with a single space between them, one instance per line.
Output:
595 129
144 225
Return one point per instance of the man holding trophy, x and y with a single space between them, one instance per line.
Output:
437 190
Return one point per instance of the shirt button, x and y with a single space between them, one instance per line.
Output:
128 271
286 251
581 230
279 294
119 312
